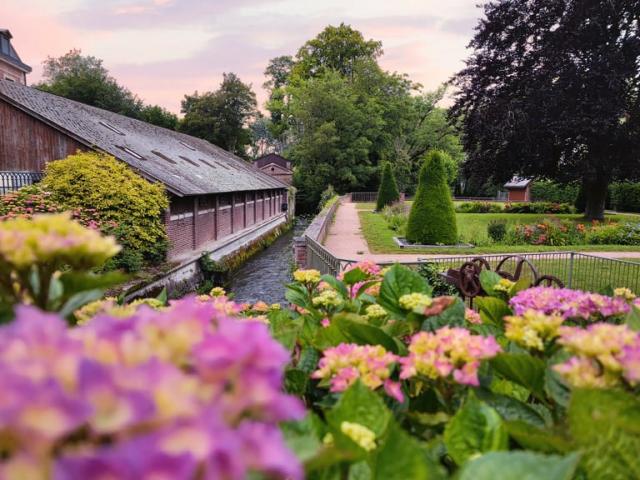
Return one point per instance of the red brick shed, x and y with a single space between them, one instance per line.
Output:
518 189
275 165
213 194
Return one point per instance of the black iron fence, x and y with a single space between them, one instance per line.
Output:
10 181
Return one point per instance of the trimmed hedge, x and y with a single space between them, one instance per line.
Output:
388 192
432 219
524 207
548 191
625 196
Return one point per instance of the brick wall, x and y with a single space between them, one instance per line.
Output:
180 225
192 222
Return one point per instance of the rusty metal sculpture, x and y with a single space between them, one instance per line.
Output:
467 278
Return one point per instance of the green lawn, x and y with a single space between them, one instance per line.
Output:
473 229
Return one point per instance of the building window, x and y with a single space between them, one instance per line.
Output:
111 127
163 156
131 152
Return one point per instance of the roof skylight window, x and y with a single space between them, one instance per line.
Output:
111 127
187 145
188 160
163 156
206 163
131 152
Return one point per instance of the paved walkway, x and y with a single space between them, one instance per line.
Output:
345 240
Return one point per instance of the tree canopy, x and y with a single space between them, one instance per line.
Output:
337 113
552 90
85 79
223 116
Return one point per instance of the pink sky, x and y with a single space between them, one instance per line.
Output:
163 49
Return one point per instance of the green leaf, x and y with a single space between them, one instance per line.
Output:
303 437
308 360
360 471
163 296
632 320
453 316
606 425
364 334
359 405
510 408
403 458
492 310
284 328
476 428
298 295
522 369
488 280
328 337
538 439
78 300
397 282
296 381
520 466
74 282
354 276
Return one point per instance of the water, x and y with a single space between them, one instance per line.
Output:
264 275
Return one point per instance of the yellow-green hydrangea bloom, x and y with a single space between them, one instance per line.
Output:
360 434
412 301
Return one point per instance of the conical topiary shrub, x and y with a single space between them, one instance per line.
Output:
388 191
432 219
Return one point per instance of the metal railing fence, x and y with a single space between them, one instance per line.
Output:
10 181
576 270
364 197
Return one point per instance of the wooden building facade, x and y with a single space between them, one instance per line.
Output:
213 194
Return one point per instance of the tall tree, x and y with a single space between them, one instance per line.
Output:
85 79
339 48
552 90
222 117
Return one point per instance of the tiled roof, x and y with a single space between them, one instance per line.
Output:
185 165
272 158
517 183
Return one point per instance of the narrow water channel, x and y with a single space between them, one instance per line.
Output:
264 275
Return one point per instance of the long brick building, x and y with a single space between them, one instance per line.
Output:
213 194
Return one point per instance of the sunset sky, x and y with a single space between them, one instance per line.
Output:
162 49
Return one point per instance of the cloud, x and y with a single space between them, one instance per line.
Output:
163 49
152 14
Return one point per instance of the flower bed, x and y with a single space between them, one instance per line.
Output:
368 375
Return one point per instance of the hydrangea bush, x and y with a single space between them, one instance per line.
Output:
538 382
369 375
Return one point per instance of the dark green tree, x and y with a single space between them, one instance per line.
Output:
552 90
159 116
388 191
84 78
222 117
432 219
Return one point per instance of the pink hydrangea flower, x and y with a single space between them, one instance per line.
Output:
568 303
177 391
448 351
341 366
603 355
